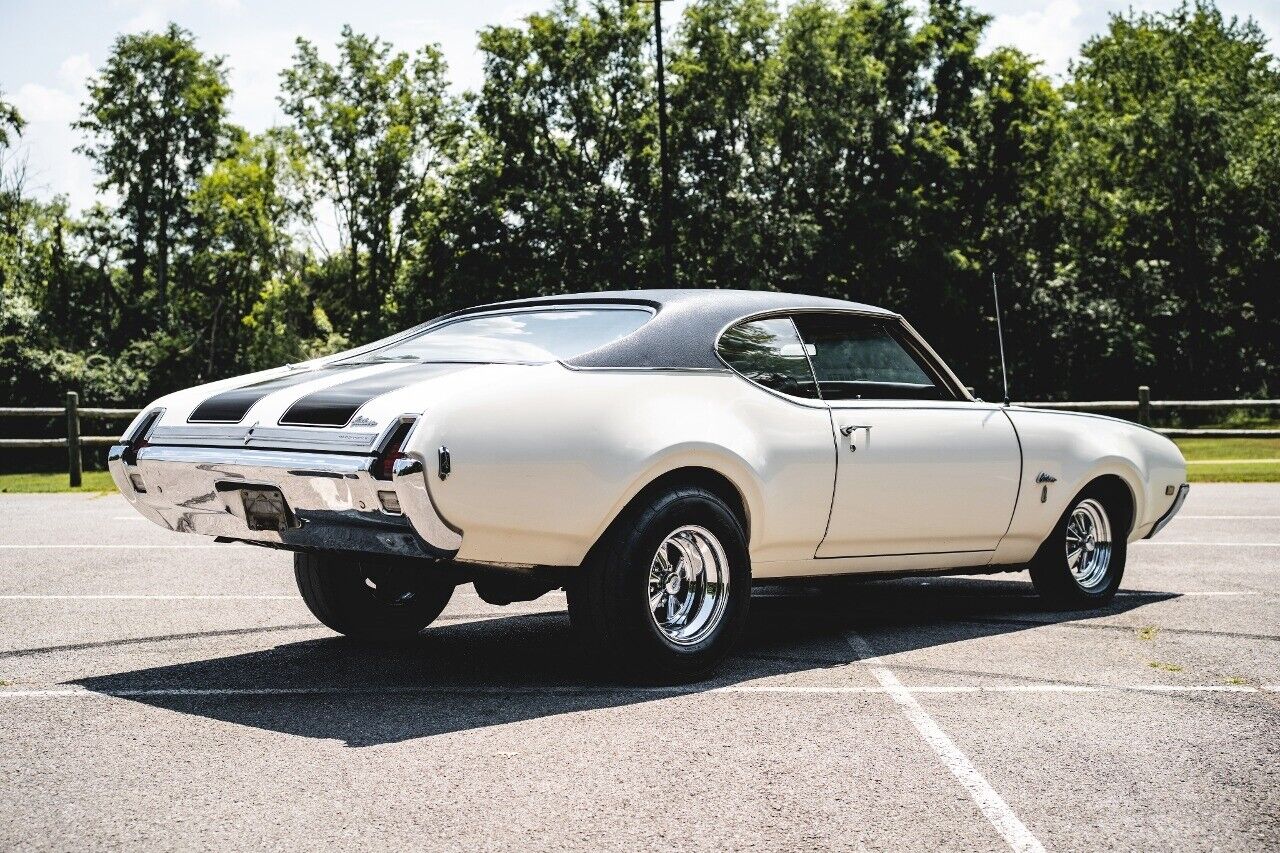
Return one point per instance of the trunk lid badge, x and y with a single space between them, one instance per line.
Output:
362 421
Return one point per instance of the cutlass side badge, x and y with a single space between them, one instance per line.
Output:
1044 479
362 421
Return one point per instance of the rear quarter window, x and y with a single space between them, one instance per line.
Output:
769 353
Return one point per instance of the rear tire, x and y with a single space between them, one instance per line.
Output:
380 599
664 595
1082 562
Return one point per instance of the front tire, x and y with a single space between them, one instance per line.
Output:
664 595
378 599
1082 562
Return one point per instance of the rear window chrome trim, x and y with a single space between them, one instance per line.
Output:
698 371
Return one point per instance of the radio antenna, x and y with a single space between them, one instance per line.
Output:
1004 371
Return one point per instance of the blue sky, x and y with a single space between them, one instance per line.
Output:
48 48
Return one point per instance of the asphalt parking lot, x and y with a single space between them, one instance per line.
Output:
162 692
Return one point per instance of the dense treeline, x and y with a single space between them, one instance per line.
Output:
859 150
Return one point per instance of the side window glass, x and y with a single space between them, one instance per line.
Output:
861 358
769 352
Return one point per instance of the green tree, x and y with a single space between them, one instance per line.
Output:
154 121
284 325
556 186
723 60
245 212
11 122
12 197
1168 188
375 130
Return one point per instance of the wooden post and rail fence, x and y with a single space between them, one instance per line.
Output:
1142 406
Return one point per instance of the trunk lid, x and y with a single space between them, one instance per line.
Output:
342 406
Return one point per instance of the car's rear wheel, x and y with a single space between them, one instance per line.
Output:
664 595
1082 562
382 599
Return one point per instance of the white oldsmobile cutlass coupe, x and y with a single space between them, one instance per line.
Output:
651 452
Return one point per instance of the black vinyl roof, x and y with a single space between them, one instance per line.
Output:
684 329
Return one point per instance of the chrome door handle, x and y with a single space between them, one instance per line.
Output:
847 430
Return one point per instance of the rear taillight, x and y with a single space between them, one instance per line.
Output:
139 438
385 464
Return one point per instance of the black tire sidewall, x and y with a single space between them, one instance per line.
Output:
333 587
1051 574
642 648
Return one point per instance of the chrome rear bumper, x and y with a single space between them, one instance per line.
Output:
332 498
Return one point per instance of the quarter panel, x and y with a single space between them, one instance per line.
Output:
543 458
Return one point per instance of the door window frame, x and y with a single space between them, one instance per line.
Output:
899 329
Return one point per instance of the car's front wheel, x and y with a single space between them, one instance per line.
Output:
1082 562
664 595
369 598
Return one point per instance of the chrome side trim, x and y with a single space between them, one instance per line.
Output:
1178 501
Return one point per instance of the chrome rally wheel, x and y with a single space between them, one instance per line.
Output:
665 594
1088 544
1081 563
688 585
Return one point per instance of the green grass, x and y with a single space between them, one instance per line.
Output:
92 482
1263 455
1202 452
1164 667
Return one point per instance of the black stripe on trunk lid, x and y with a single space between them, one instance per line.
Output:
336 405
230 407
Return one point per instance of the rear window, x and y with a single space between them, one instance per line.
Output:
517 337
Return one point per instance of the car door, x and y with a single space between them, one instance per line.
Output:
920 469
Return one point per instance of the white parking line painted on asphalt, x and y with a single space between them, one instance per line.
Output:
132 597
1183 517
118 547
1150 542
1152 594
994 688
750 689
992 805
1233 461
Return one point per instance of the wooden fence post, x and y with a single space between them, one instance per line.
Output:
73 438
1144 405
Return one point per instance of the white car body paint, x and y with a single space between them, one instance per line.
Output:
544 458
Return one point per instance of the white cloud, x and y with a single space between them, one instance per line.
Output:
39 104
1052 33
48 142
74 70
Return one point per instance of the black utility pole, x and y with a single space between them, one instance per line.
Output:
664 162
